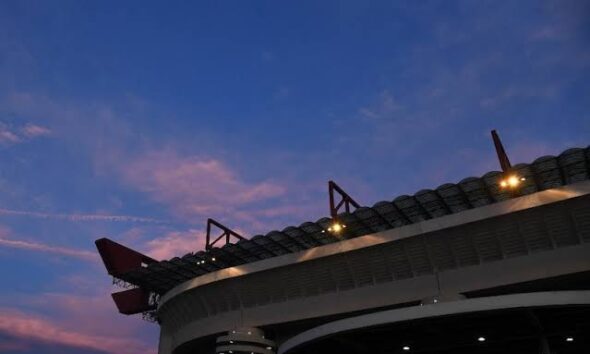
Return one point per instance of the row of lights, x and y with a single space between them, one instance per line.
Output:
482 339
202 261
232 342
511 182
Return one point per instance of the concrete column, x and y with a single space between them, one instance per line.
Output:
544 346
245 340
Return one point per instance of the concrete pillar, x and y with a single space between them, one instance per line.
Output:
544 346
245 340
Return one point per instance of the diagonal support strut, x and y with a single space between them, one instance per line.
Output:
346 200
227 233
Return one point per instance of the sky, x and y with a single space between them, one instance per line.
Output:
138 120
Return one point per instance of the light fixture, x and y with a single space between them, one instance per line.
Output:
336 227
213 259
406 348
569 339
511 181
481 339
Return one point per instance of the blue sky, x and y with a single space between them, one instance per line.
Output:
139 120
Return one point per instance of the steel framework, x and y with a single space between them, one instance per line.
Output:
227 234
346 200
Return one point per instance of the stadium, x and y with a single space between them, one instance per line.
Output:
495 264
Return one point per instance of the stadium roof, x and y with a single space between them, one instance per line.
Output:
572 165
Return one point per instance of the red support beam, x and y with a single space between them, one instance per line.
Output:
133 301
502 156
119 259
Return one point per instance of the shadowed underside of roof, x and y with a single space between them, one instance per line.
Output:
571 166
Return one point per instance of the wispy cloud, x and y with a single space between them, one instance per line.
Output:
33 130
7 136
40 247
30 326
10 135
82 217
7 239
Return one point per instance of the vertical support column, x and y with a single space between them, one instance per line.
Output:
544 346
245 340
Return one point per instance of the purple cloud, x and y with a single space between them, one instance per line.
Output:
34 327
194 185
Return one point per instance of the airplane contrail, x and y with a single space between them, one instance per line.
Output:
83 217
41 247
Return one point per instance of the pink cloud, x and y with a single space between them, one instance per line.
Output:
40 247
29 326
176 243
8 137
87 320
33 130
194 185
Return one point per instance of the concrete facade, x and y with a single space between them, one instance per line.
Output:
538 236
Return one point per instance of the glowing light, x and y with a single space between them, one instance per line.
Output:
213 259
406 348
336 227
569 339
481 339
511 181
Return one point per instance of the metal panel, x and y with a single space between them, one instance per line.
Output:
132 301
547 172
573 164
432 203
476 191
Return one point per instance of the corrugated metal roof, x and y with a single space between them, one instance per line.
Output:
546 172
